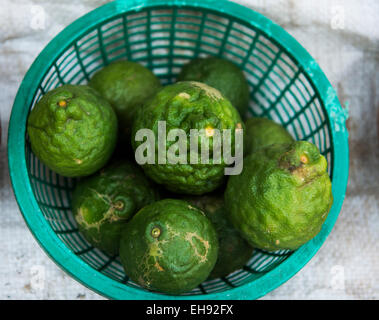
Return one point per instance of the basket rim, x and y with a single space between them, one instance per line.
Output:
93 279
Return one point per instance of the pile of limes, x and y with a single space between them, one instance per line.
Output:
149 192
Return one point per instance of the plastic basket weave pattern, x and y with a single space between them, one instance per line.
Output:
286 85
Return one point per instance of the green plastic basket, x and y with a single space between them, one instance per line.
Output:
286 85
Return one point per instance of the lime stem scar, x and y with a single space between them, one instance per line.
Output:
304 159
119 205
62 103
155 232
209 131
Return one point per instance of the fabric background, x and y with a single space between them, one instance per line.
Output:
343 37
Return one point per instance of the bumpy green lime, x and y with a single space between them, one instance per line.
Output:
126 85
262 132
104 202
73 130
169 246
282 197
221 74
187 105
233 251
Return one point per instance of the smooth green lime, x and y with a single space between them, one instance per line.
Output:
282 197
262 132
73 130
233 251
221 74
169 246
126 85
104 202
187 105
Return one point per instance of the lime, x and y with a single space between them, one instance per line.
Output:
261 132
105 201
73 130
187 106
282 197
233 251
221 74
126 85
169 246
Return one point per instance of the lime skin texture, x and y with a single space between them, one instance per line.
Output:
234 251
221 74
169 246
262 132
187 105
126 85
282 197
105 201
73 130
